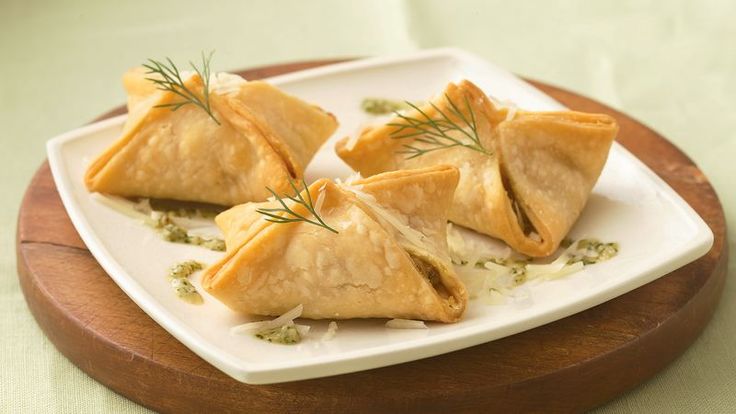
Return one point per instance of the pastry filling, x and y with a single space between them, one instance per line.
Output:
524 223
432 274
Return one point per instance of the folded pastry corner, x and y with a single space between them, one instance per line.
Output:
525 176
549 165
388 259
259 137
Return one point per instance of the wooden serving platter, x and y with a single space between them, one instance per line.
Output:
570 365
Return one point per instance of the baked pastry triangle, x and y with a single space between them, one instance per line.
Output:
264 138
388 258
525 176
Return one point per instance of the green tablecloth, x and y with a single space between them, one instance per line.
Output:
671 64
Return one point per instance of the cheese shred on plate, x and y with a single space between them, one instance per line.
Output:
280 330
493 279
405 324
331 331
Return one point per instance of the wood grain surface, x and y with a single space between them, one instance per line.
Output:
567 366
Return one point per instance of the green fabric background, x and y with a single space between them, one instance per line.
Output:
671 64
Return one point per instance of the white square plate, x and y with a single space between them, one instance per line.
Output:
657 231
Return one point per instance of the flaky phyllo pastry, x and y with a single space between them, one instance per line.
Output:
388 259
524 176
256 136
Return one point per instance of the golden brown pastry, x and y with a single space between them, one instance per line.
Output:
388 258
264 138
524 176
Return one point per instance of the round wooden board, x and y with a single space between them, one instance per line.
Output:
570 365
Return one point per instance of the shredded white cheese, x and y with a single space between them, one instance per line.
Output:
511 112
500 277
510 107
331 331
465 244
481 282
282 320
144 206
320 200
413 236
302 329
353 178
352 141
223 83
566 270
121 205
142 211
553 270
405 324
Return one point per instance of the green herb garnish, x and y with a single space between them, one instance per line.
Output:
172 81
292 216
433 132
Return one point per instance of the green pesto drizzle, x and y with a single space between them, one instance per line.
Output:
185 209
382 106
285 334
591 251
179 280
172 232
587 251
517 266
184 269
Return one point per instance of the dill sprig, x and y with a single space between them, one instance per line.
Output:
433 132
171 81
292 216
